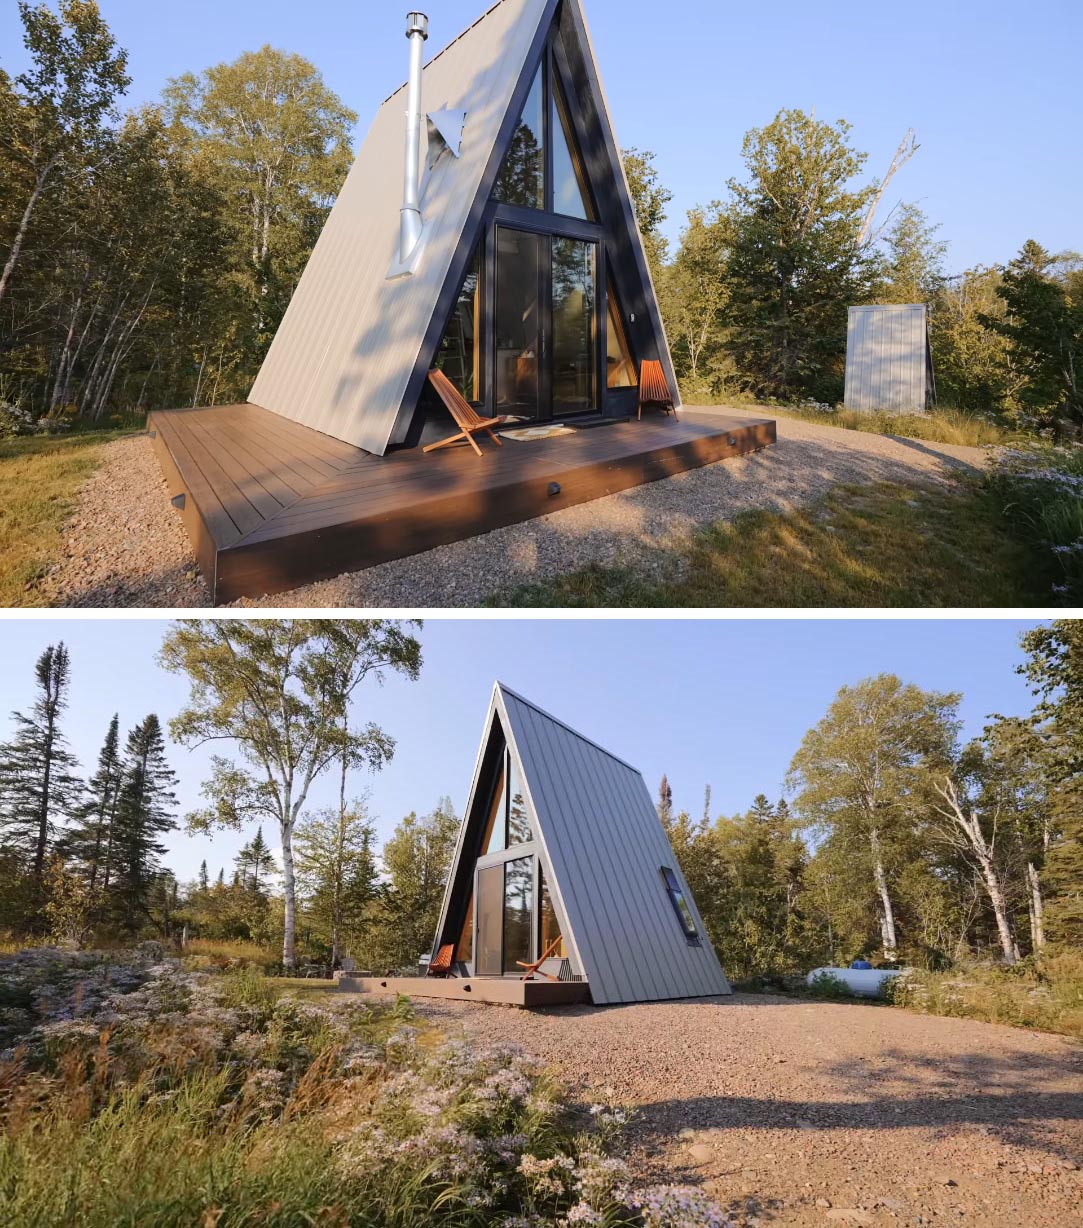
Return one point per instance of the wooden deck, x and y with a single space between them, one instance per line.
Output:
270 504
509 991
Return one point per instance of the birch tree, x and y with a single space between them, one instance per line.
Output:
58 105
279 692
862 773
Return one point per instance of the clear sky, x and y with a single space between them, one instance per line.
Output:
992 87
719 702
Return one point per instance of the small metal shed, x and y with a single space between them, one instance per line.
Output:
889 363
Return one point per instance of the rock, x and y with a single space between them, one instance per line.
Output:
849 1215
686 1133
823 1202
701 1153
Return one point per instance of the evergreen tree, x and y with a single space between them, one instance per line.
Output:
89 842
1043 324
204 882
37 781
255 859
665 801
145 811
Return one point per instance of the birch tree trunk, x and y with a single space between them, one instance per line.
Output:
289 891
24 225
887 910
1035 905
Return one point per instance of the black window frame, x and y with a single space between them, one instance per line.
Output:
681 909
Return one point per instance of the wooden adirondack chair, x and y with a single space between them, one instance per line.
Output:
441 965
534 969
653 389
466 416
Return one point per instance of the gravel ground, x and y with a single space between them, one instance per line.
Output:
802 1113
125 546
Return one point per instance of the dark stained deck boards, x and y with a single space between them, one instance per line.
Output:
271 504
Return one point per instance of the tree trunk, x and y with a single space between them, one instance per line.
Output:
887 910
24 226
1000 909
289 930
1037 917
43 814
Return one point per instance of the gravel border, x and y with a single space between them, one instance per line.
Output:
125 545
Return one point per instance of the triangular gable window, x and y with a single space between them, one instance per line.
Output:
522 177
570 195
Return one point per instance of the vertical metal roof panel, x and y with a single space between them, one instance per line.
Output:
887 357
347 344
606 848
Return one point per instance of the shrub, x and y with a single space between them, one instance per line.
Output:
1040 490
1046 994
189 1098
827 987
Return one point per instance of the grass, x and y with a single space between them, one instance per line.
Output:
879 545
1046 995
40 477
938 426
143 1094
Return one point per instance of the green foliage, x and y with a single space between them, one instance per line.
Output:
181 1101
794 263
913 258
1040 491
417 860
827 987
1045 994
649 199
152 254
1043 324
280 691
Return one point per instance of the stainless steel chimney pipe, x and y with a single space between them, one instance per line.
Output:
417 31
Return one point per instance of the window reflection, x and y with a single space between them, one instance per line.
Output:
521 180
548 927
570 194
518 819
620 371
518 911
573 323
493 840
459 355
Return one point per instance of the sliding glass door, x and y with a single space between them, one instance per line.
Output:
544 324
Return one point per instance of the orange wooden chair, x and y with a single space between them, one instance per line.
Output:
466 416
441 965
653 389
534 969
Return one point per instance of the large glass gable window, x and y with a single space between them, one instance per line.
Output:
522 177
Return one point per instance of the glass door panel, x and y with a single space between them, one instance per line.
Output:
574 299
517 321
518 911
490 904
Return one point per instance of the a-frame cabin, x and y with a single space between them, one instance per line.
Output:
561 852
497 243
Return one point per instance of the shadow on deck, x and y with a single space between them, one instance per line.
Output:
270 505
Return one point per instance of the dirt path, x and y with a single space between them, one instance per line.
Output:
125 545
797 1113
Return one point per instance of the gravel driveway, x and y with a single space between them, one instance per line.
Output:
125 546
802 1113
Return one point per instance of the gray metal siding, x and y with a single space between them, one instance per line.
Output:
346 348
887 358
606 847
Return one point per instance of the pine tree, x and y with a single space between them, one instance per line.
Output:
665 800
90 842
204 882
144 812
253 860
37 784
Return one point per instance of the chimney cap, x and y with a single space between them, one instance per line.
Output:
417 23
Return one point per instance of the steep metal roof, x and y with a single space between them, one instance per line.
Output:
345 358
603 848
346 347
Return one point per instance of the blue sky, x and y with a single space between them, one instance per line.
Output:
715 701
991 87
